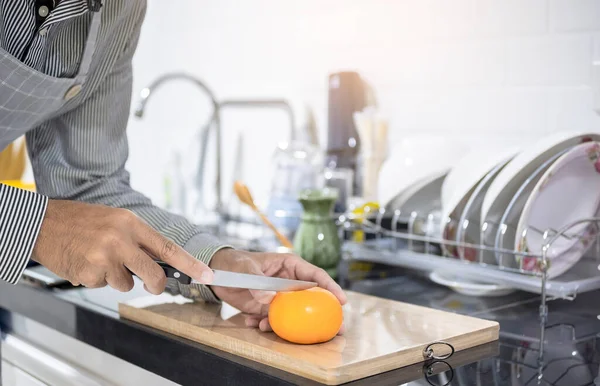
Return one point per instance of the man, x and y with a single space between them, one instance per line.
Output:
65 82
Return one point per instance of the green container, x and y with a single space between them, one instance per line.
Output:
317 240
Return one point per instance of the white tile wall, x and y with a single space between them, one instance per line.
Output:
550 61
481 70
574 15
502 18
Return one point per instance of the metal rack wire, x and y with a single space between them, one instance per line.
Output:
410 241
516 364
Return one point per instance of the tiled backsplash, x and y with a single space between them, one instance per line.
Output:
474 69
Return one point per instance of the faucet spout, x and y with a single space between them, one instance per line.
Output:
214 120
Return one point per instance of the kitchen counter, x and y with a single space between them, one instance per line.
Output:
90 316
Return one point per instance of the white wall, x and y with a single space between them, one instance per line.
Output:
474 69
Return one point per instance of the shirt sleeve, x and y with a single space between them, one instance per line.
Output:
81 155
21 215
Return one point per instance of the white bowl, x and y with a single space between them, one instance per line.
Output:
567 192
510 180
413 159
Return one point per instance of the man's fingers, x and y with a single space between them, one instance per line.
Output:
256 321
119 279
252 321
263 297
264 325
92 278
303 270
144 267
166 250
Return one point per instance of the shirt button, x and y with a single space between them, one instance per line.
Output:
43 31
43 11
72 92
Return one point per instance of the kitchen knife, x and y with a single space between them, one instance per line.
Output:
240 280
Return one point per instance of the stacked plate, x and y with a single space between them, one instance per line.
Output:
525 200
410 180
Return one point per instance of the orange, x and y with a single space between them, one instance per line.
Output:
306 317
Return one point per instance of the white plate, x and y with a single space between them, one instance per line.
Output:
461 183
466 174
421 201
470 220
422 197
567 192
414 159
469 288
508 182
566 260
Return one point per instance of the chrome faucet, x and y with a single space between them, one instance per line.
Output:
264 104
214 120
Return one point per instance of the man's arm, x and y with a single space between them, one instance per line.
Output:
81 155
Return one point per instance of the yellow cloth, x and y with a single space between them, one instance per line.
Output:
19 184
13 161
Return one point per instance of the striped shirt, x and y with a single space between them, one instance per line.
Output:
79 152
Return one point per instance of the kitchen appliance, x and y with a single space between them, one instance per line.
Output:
381 335
347 95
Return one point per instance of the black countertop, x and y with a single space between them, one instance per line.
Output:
573 349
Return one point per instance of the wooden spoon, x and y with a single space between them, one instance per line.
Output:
243 193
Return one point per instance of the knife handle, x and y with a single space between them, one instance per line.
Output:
172 273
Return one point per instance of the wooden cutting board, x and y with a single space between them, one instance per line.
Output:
381 335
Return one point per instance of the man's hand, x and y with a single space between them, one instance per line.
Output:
95 245
255 304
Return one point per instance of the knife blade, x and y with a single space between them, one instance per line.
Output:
240 280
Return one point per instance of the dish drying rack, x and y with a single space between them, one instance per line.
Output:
412 247
428 229
407 241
